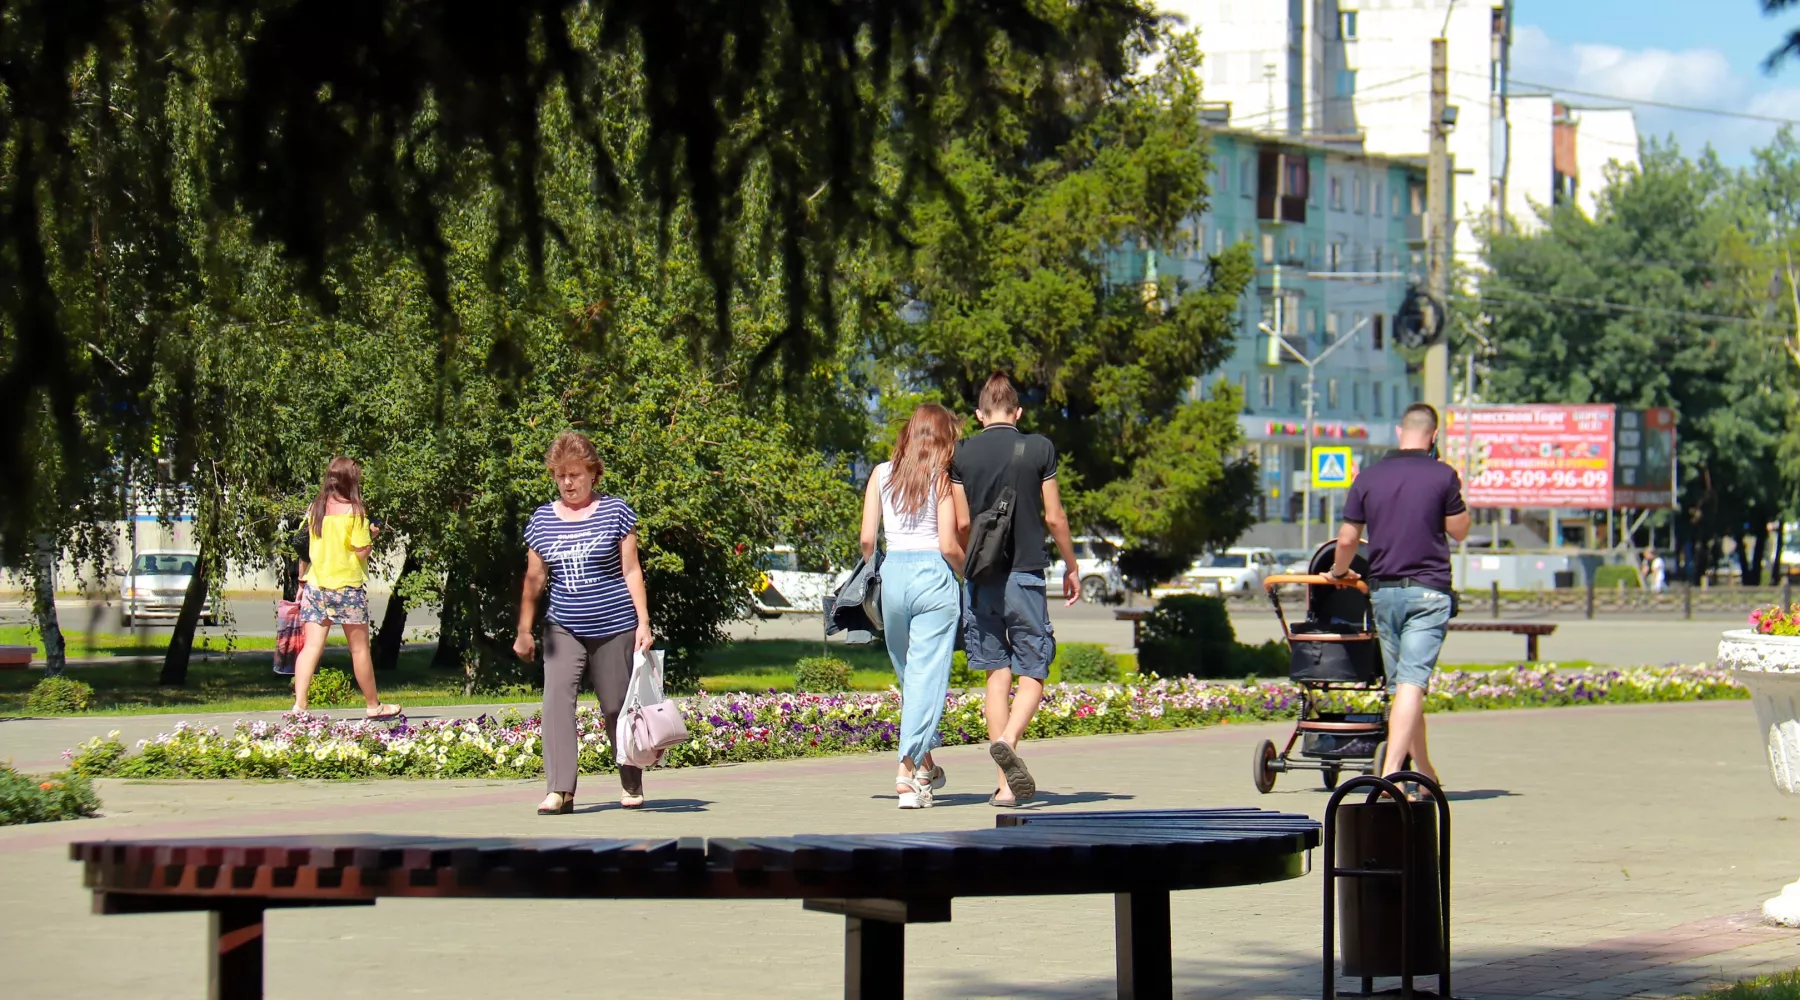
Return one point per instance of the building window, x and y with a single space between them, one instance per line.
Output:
1418 262
1247 179
1294 395
1347 24
1268 391
1331 393
1356 398
1312 321
1219 240
1346 83
1375 397
1416 393
1331 328
1199 238
1356 194
1225 181
1312 253
1268 248
1293 247
1376 197
1334 256
1244 386
1337 193
1356 322
1396 201
1377 334
1377 260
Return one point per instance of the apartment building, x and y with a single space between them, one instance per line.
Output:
1563 153
1337 235
1358 73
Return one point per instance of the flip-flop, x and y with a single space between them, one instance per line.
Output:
999 803
382 714
1017 777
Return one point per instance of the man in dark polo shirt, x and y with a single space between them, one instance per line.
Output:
1007 629
1412 506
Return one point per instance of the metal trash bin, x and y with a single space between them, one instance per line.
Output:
1369 836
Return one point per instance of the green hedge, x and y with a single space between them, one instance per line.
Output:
1609 578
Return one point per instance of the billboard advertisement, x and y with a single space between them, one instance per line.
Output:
1538 455
1644 458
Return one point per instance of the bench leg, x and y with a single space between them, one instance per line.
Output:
1531 649
874 959
235 959
1141 936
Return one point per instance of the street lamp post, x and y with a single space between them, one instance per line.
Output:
1311 366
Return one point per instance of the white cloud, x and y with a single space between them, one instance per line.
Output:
1700 77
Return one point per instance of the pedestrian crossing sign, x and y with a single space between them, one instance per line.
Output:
1332 468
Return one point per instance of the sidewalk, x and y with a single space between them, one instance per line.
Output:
1601 853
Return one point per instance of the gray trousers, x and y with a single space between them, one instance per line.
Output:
605 663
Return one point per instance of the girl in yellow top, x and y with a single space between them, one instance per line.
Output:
335 574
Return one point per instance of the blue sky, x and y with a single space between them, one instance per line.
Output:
1705 53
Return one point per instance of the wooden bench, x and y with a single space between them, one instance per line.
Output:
13 657
1530 630
878 882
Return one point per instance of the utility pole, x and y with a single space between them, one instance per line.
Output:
1437 223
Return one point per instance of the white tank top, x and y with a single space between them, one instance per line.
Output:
907 532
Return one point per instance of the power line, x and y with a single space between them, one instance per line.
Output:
1646 102
1504 297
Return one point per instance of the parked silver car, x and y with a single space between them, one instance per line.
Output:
156 585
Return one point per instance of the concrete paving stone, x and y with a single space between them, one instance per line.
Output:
1547 831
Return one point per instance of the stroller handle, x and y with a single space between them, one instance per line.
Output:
1311 579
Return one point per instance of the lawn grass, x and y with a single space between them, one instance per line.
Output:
96 644
1778 986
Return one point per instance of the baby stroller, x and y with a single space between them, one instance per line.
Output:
1334 649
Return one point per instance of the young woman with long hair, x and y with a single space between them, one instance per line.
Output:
585 545
921 600
334 579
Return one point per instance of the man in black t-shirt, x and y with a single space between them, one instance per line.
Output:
1007 629
1412 505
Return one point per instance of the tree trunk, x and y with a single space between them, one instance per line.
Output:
1753 568
43 607
449 655
1775 567
181 641
393 620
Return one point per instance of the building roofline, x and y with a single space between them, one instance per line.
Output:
1316 144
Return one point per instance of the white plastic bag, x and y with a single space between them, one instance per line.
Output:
643 691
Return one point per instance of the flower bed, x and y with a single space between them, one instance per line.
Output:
732 728
26 798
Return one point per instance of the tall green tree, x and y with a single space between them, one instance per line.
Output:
1038 267
1636 306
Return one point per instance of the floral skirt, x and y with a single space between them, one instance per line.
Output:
346 606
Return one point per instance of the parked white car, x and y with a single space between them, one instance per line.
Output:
1236 570
787 588
1096 563
155 586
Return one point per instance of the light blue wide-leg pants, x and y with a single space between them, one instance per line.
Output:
921 605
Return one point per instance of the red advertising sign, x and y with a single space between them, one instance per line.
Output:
1541 455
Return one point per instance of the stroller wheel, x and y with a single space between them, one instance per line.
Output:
1379 759
1262 768
1331 778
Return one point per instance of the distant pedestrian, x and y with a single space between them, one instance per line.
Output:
921 601
334 575
1007 631
1411 504
1656 572
585 545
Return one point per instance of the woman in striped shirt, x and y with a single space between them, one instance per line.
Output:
585 545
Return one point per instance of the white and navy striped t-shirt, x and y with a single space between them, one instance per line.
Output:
587 583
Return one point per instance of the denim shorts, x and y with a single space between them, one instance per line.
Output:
1007 626
1411 622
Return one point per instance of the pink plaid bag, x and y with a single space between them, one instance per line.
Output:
289 636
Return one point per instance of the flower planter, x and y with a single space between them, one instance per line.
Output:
1769 665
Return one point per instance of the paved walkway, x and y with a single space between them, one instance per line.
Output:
1604 852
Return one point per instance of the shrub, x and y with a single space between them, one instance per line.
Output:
26 799
59 695
964 676
1610 577
332 687
1269 659
1188 634
1086 663
821 674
